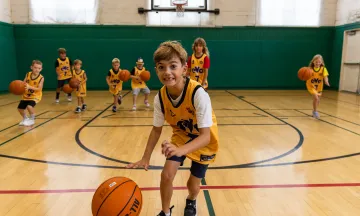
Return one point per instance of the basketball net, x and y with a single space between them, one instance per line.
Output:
179 5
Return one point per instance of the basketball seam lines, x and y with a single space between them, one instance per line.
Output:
109 195
128 200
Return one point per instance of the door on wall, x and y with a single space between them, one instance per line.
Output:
350 75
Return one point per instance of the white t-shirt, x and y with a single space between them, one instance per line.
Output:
202 106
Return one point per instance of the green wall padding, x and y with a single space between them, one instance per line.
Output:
241 57
7 56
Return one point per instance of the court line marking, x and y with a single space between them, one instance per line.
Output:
150 125
202 187
8 103
15 124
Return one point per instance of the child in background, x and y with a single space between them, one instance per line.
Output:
137 84
63 71
81 89
114 82
316 83
33 93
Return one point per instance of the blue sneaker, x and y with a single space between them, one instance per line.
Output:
316 115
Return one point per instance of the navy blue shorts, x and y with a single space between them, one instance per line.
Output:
198 170
61 83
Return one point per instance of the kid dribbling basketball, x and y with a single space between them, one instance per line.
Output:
316 83
33 93
63 72
186 106
139 85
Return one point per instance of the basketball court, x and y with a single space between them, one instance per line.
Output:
274 159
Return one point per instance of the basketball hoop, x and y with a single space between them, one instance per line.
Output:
179 7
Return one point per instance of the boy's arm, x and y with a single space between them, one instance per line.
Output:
108 78
38 88
206 69
85 78
57 69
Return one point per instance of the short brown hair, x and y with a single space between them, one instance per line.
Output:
36 62
62 50
170 49
77 61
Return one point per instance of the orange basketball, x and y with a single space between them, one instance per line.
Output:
124 75
305 73
145 76
17 87
119 196
67 89
74 83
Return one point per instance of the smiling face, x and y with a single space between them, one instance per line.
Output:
199 48
317 62
171 72
36 68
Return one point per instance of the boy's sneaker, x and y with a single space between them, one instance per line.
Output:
57 101
29 122
69 98
146 102
134 108
23 121
84 106
78 109
163 214
316 115
119 99
190 208
114 109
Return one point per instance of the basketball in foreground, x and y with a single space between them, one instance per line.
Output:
305 73
117 196
17 87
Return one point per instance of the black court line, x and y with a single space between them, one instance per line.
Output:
340 118
332 124
81 145
9 103
32 128
16 124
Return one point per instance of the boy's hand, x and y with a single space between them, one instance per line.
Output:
143 163
27 86
327 83
170 150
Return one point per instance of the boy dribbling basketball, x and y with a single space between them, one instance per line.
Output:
80 75
33 93
186 106
139 85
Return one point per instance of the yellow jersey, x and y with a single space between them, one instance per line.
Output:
30 94
316 83
136 84
116 83
182 119
64 69
197 68
81 89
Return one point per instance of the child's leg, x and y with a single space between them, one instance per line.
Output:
197 173
78 108
58 89
146 91
69 94
31 111
316 101
79 101
83 103
135 94
166 184
22 113
114 103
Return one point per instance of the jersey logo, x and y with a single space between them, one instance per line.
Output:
197 69
187 125
190 111
172 114
65 68
201 62
206 157
316 80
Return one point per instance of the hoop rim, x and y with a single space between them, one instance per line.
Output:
179 2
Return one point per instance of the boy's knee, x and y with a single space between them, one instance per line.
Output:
167 176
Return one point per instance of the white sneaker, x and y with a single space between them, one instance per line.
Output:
57 101
134 108
23 121
69 98
29 122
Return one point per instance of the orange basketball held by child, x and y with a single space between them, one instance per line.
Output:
74 83
17 87
124 75
304 73
67 89
117 196
145 76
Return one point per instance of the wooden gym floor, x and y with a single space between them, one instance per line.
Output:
274 158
